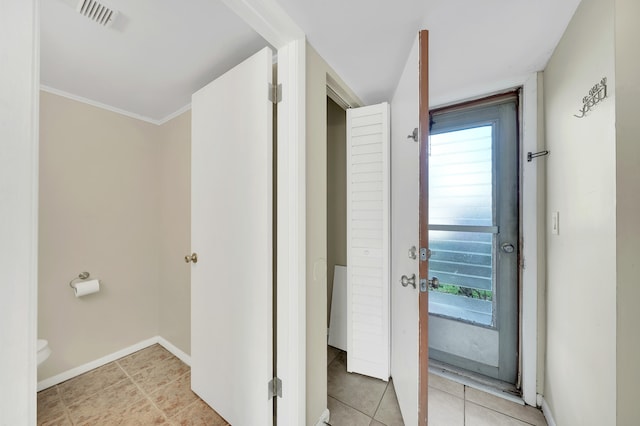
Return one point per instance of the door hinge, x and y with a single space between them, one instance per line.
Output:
425 254
275 93
423 285
275 388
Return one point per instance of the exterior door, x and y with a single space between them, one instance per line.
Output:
473 234
231 233
409 358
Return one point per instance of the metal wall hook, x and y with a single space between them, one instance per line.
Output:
414 135
532 155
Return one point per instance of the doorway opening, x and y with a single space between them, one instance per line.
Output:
352 398
474 235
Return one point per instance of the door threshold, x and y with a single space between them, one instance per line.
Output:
477 381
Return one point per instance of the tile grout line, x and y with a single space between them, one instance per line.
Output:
380 402
85 399
464 405
145 397
148 397
353 408
186 406
164 415
64 405
499 412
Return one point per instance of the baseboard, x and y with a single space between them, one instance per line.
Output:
546 410
174 350
324 418
70 374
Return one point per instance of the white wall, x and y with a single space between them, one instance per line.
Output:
18 210
580 377
627 209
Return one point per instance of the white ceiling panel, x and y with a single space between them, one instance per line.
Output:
158 52
365 41
153 57
473 43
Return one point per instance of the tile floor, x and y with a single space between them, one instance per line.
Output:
149 387
152 387
356 400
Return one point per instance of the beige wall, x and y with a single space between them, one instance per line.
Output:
580 376
318 71
114 201
174 284
99 204
336 193
628 209
316 175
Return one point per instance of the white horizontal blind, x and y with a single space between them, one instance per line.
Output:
368 340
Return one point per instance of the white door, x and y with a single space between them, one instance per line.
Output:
408 362
368 343
404 235
231 232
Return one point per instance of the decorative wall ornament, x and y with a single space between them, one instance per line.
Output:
596 95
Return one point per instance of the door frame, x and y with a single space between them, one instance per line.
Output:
19 88
423 297
269 20
532 223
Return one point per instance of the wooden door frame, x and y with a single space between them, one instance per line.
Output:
423 305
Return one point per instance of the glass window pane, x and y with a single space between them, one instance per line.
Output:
463 263
460 178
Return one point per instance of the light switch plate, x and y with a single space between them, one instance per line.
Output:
555 223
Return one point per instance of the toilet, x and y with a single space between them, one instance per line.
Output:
43 350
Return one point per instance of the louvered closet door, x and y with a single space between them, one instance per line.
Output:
368 343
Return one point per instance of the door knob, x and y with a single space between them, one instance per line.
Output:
434 282
413 252
405 281
193 258
507 248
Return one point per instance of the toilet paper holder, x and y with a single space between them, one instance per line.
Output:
81 276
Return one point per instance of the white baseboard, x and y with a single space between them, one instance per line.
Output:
174 350
546 410
70 374
324 418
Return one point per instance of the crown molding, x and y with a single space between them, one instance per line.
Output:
120 111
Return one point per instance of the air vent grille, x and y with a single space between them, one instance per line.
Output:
97 12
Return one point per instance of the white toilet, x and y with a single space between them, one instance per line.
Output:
43 350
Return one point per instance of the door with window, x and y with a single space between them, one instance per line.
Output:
473 237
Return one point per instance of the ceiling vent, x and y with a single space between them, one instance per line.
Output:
97 12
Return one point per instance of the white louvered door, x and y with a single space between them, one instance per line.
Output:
368 339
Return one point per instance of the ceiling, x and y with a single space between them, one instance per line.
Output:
158 52
149 62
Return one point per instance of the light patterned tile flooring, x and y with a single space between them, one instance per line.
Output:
149 387
355 400
153 387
